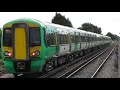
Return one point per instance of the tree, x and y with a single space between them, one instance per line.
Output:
61 20
113 36
91 28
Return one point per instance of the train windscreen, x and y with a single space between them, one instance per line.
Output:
7 37
35 36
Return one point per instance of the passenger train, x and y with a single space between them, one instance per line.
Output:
31 46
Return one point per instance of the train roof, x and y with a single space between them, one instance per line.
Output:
42 23
69 28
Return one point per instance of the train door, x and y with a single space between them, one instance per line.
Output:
69 39
77 40
86 40
80 41
90 40
20 45
56 43
50 42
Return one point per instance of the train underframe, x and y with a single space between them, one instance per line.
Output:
58 61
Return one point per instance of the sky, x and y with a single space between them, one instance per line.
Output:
107 21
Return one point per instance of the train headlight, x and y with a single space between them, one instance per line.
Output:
33 54
36 53
6 53
9 54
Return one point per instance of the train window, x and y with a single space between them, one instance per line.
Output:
62 39
35 36
96 38
87 38
59 38
90 38
50 39
76 39
65 37
69 38
7 37
83 39
73 38
93 38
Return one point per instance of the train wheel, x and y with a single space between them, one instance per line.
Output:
49 66
71 58
15 75
81 53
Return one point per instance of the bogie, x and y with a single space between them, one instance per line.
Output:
49 66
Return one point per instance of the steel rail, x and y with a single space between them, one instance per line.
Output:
101 65
67 65
80 66
2 72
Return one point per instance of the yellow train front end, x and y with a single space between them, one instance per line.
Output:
21 47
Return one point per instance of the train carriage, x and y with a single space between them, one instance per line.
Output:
30 46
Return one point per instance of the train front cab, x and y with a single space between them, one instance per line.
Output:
21 48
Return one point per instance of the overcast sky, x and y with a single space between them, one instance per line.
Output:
108 21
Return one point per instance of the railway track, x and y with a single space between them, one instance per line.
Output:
2 72
76 69
2 69
71 72
102 64
93 54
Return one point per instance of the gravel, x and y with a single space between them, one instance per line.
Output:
88 71
70 67
7 76
109 70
